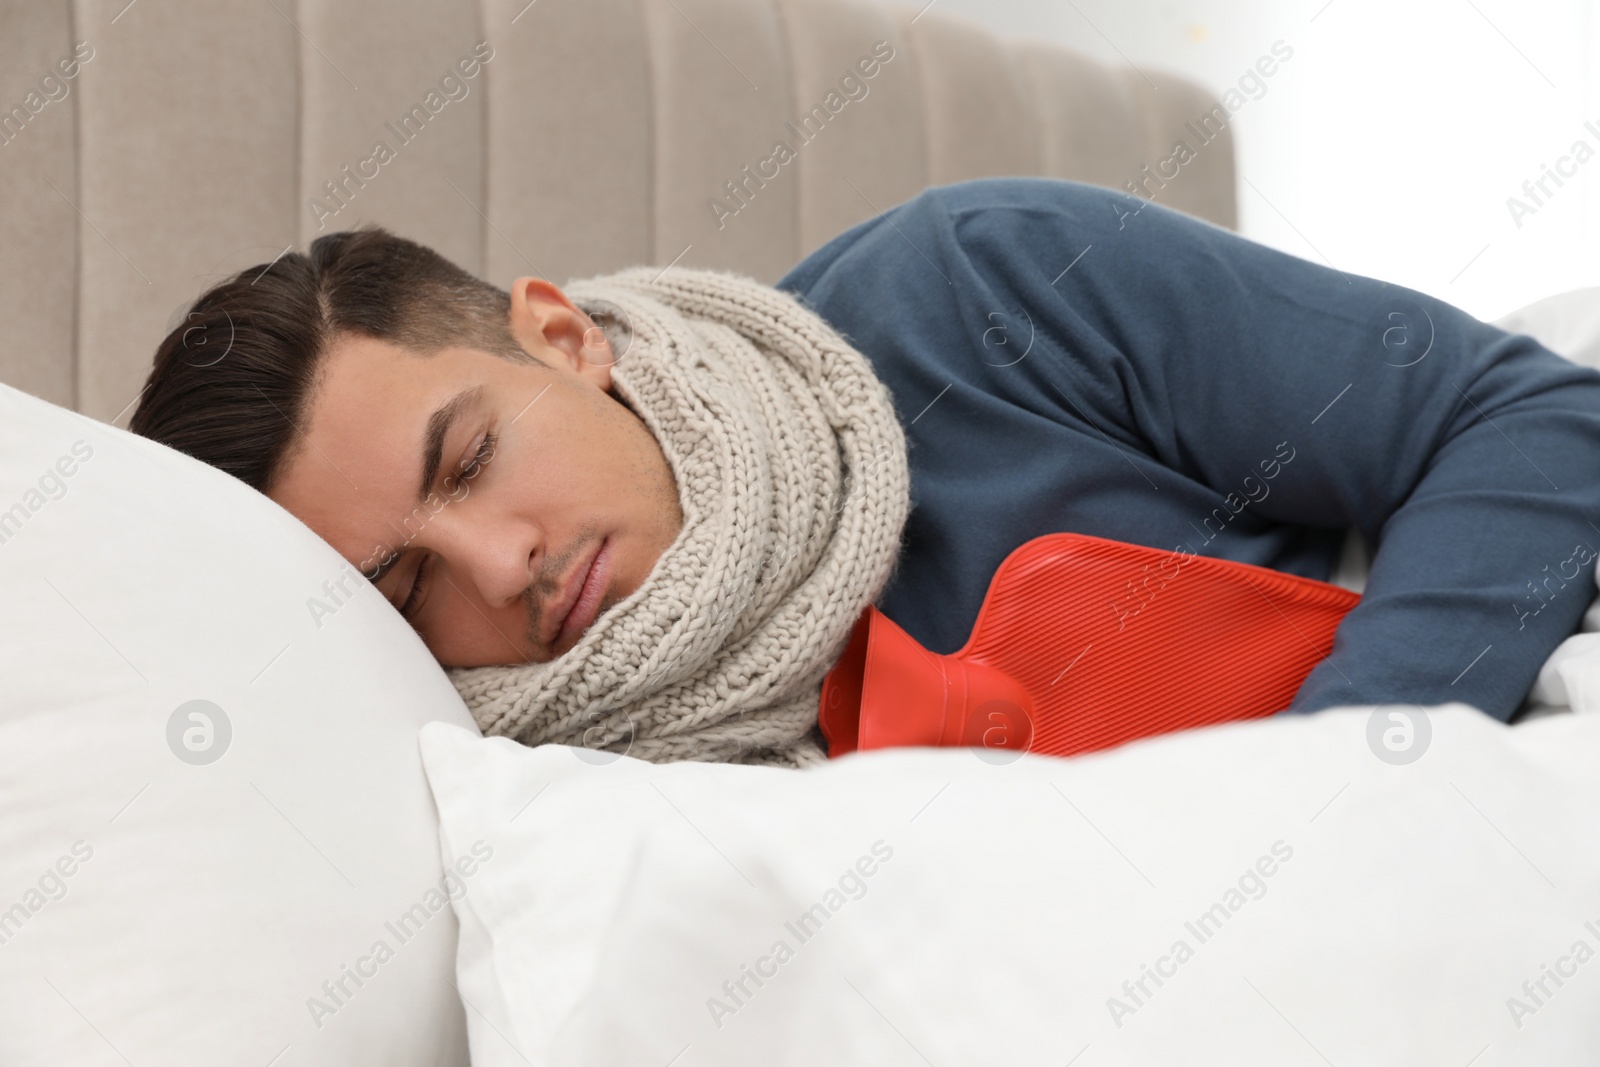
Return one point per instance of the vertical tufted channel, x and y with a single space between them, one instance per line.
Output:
38 187
570 147
982 118
721 97
187 146
1175 110
393 128
862 148
1090 127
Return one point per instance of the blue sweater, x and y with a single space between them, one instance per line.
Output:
1070 358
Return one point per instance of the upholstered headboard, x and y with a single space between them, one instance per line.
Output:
194 138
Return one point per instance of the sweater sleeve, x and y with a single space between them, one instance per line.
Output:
1467 458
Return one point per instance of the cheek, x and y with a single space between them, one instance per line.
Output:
592 462
463 633
595 458
639 462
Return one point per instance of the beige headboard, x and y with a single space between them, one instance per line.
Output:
196 137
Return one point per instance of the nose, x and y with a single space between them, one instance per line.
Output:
499 556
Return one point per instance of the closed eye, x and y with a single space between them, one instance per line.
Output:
480 459
414 597
466 472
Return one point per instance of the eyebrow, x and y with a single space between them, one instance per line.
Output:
439 424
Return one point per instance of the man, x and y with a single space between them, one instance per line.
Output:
1060 358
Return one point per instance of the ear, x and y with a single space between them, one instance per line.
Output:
556 332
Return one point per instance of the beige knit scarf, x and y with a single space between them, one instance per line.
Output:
791 469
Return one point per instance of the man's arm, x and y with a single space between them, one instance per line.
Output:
1469 458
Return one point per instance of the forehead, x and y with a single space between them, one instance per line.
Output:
357 452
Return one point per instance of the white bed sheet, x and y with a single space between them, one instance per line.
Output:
1272 892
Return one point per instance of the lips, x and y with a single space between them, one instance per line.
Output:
579 602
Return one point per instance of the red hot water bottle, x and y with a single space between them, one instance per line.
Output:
1084 643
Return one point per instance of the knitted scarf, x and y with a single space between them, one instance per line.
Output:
791 470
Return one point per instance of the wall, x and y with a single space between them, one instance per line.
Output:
1392 140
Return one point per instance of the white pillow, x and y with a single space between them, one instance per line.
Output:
1567 324
158 909
1362 910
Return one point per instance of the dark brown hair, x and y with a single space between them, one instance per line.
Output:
232 383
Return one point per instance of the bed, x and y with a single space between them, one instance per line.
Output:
236 831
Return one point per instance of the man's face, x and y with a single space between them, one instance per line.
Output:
536 477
